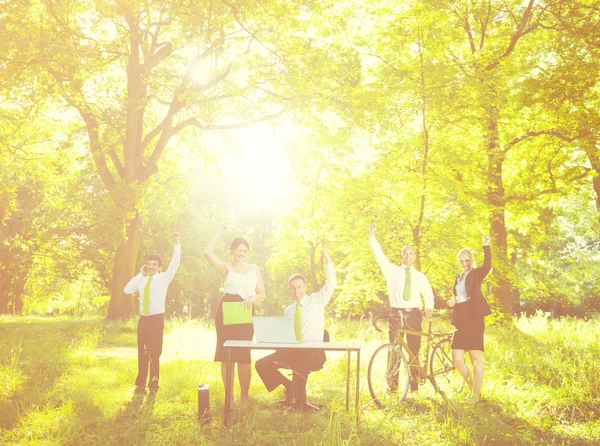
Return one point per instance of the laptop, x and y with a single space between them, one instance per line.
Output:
274 329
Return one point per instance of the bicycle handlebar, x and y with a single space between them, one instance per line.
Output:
375 318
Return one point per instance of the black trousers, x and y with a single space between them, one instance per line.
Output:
301 362
150 331
410 319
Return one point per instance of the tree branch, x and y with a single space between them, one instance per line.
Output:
532 134
521 31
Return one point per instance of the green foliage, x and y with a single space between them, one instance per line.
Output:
437 121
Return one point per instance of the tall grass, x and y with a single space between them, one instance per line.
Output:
70 381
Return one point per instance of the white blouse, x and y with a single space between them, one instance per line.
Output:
461 290
243 284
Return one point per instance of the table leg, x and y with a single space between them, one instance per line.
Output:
348 380
357 385
228 388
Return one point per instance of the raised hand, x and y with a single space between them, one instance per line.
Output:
486 240
371 229
176 237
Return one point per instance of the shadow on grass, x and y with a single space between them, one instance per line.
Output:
41 356
487 422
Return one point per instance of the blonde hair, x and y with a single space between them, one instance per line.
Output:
467 252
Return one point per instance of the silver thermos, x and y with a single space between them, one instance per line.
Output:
203 404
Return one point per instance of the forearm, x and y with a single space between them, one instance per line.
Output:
261 295
380 257
487 260
132 285
330 283
175 261
210 247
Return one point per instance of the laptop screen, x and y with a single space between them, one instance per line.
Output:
274 329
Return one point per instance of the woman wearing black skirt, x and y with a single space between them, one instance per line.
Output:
470 309
243 283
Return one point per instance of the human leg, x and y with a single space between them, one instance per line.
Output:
458 359
143 359
154 348
477 360
412 320
244 376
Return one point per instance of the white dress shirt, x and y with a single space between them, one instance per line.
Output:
312 308
394 278
158 286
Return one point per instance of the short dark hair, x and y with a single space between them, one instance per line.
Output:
296 276
237 242
154 257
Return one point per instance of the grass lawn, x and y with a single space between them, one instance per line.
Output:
70 381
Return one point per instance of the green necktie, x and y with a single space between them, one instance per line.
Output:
406 294
146 301
298 323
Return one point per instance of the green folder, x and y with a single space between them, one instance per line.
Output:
235 313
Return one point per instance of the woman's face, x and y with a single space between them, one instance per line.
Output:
465 262
240 253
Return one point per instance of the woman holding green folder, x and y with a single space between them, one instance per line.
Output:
243 286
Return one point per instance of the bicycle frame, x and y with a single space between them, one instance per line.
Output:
431 337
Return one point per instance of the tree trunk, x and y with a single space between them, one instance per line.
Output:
124 268
593 153
4 288
313 268
497 201
18 285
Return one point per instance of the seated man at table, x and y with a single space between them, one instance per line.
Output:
309 316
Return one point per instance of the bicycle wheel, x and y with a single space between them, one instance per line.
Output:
388 375
443 376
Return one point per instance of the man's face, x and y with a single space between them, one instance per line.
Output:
151 267
297 289
408 256
240 253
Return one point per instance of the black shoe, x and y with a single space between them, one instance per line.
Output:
286 402
289 399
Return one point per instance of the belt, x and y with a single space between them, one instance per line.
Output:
404 310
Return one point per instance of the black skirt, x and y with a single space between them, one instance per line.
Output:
237 332
468 333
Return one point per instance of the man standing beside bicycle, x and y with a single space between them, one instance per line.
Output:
405 287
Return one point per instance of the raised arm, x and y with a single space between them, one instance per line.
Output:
487 257
209 253
176 259
380 257
323 296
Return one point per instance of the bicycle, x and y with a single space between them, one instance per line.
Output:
389 368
